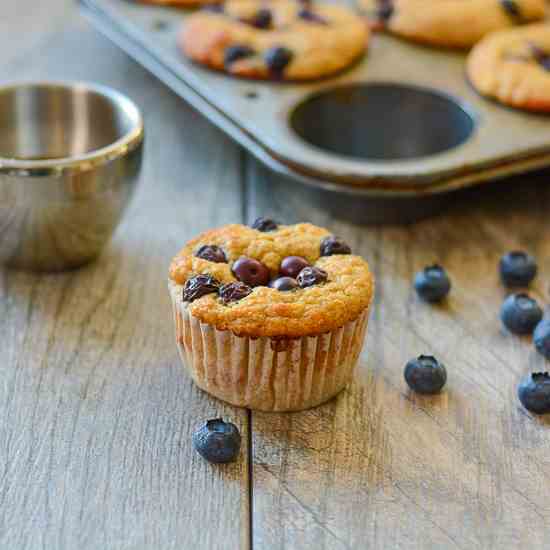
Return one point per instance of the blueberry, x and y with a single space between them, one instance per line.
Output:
534 392
284 284
233 292
432 283
234 53
425 374
277 59
334 245
292 265
217 441
199 286
517 268
385 10
520 314
307 15
251 271
264 225
310 276
540 56
212 253
541 338
511 8
261 19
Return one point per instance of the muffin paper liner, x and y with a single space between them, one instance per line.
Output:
267 373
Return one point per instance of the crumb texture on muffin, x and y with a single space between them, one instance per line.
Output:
267 311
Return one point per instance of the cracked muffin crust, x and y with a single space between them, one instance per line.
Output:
281 40
450 23
271 317
513 67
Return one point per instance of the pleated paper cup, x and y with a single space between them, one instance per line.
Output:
267 373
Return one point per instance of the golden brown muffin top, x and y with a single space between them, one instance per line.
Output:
266 311
324 41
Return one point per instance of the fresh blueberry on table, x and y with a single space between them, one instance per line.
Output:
425 374
284 284
541 338
517 268
217 441
534 392
520 314
251 272
292 265
432 284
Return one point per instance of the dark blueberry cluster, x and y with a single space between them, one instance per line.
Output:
294 272
201 285
520 314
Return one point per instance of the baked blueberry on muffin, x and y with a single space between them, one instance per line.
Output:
270 317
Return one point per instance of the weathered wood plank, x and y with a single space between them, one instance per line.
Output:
380 467
95 411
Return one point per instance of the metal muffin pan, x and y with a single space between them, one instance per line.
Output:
296 128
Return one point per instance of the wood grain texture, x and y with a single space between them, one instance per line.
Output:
380 467
96 414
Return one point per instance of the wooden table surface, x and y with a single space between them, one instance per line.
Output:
96 414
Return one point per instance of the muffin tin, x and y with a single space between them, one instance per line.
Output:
402 123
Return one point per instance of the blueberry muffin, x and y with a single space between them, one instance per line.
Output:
180 3
270 317
282 40
450 23
513 67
